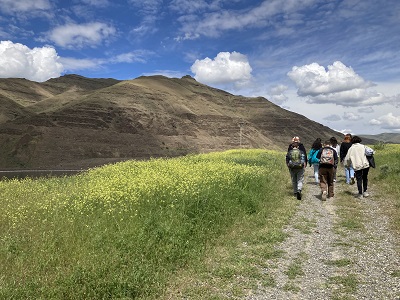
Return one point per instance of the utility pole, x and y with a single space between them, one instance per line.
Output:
241 124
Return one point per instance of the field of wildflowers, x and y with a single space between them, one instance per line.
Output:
121 230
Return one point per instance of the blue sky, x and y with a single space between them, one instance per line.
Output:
335 62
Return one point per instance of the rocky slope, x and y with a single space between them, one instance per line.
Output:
78 122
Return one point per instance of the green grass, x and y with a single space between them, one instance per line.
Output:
123 230
347 283
339 262
305 225
203 226
295 269
386 176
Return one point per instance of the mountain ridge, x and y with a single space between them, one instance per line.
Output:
79 122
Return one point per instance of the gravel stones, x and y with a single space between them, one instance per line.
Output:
325 259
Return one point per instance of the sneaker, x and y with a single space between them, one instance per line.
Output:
358 196
298 195
323 196
352 180
365 194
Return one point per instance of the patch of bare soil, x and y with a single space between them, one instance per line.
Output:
342 248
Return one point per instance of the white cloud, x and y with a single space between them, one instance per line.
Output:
388 121
133 56
214 23
278 89
23 6
192 7
354 97
150 11
395 100
367 110
344 131
97 3
37 64
278 99
74 64
148 6
277 95
333 118
81 35
313 79
166 73
338 84
351 116
224 68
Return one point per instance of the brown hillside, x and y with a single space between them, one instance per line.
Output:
77 122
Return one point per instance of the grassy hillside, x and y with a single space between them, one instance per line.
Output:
393 138
387 176
121 231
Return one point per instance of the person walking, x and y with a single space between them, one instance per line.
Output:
357 158
344 148
296 162
300 145
335 145
328 159
312 157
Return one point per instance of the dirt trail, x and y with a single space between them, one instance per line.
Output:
341 248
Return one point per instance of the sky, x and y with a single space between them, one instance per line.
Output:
336 62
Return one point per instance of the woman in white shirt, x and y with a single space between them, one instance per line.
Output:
356 157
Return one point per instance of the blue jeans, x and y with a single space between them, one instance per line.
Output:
349 172
316 168
297 176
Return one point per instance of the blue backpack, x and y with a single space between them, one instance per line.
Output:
312 157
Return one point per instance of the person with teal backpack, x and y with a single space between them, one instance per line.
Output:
312 157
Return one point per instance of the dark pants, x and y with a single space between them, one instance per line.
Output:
325 175
362 180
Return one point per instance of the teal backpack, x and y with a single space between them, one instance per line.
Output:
312 157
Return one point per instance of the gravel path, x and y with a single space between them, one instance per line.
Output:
336 249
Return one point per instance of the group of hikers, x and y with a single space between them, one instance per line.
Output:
324 157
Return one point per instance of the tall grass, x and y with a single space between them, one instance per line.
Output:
121 230
387 176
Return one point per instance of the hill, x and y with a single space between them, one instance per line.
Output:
78 122
392 138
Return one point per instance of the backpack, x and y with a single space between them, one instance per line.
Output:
296 159
327 157
312 156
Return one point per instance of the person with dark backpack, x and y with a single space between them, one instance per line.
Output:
300 145
328 160
296 162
